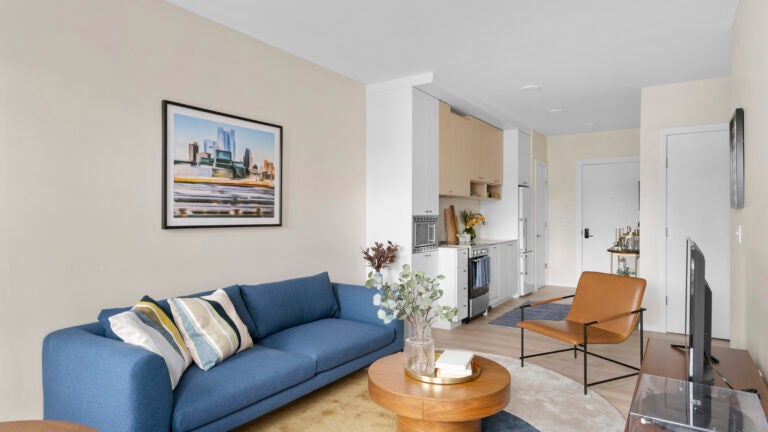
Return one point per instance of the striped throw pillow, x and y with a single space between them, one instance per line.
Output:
148 327
210 327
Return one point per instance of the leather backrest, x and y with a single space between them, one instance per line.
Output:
600 295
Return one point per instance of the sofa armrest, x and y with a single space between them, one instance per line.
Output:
104 383
356 304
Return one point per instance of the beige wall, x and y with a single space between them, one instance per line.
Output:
563 154
81 84
749 272
663 107
538 149
538 153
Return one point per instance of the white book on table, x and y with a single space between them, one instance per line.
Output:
454 373
455 360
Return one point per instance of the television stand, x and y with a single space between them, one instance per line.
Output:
683 347
736 365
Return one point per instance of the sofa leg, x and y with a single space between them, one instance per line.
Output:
574 352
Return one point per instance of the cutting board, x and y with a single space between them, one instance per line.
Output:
451 225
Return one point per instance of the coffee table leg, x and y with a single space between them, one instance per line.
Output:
407 424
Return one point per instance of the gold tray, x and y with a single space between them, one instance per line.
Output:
434 379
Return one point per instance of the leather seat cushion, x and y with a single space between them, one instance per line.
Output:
572 332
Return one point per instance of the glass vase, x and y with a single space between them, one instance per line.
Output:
419 350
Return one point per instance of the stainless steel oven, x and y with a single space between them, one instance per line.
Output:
479 281
424 233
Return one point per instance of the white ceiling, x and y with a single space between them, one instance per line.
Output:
591 57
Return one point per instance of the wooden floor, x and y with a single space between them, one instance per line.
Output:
480 336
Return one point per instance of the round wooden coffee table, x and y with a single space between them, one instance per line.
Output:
439 408
43 426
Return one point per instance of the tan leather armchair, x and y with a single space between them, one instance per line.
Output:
605 310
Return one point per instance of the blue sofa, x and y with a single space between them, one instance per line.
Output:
307 333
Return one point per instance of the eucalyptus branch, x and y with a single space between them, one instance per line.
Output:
412 298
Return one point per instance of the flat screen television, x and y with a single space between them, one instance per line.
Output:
699 311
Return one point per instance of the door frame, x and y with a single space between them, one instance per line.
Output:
579 198
538 253
661 216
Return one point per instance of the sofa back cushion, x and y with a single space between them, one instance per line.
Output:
232 291
277 306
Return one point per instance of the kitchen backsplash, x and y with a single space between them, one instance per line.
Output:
459 204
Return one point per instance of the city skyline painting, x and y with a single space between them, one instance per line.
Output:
219 170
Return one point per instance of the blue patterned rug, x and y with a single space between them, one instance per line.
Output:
506 422
549 311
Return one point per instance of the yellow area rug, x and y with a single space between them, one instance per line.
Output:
545 400
341 406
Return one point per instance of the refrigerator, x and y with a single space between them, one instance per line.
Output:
526 240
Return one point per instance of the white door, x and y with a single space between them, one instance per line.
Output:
541 224
698 206
610 199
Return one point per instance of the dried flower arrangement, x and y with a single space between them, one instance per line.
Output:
380 256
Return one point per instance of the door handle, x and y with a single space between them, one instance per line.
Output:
586 233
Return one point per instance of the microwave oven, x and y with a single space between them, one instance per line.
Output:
424 233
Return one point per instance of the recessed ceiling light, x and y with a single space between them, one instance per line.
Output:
530 88
590 125
557 111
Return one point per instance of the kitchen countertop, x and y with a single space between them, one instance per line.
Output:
478 243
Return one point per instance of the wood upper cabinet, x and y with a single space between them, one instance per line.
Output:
486 147
496 155
478 149
471 150
454 178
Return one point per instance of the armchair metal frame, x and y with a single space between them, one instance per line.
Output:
583 347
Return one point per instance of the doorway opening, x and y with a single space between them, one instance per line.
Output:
608 198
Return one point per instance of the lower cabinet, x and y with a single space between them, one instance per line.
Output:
509 272
426 262
504 274
453 264
494 288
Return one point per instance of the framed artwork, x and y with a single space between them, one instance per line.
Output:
220 170
737 159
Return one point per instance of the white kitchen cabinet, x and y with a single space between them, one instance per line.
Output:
453 264
524 159
504 272
494 288
401 166
509 275
426 262
426 147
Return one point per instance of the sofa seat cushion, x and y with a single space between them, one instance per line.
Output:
244 379
331 342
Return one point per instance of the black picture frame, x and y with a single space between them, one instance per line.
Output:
737 159
220 170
